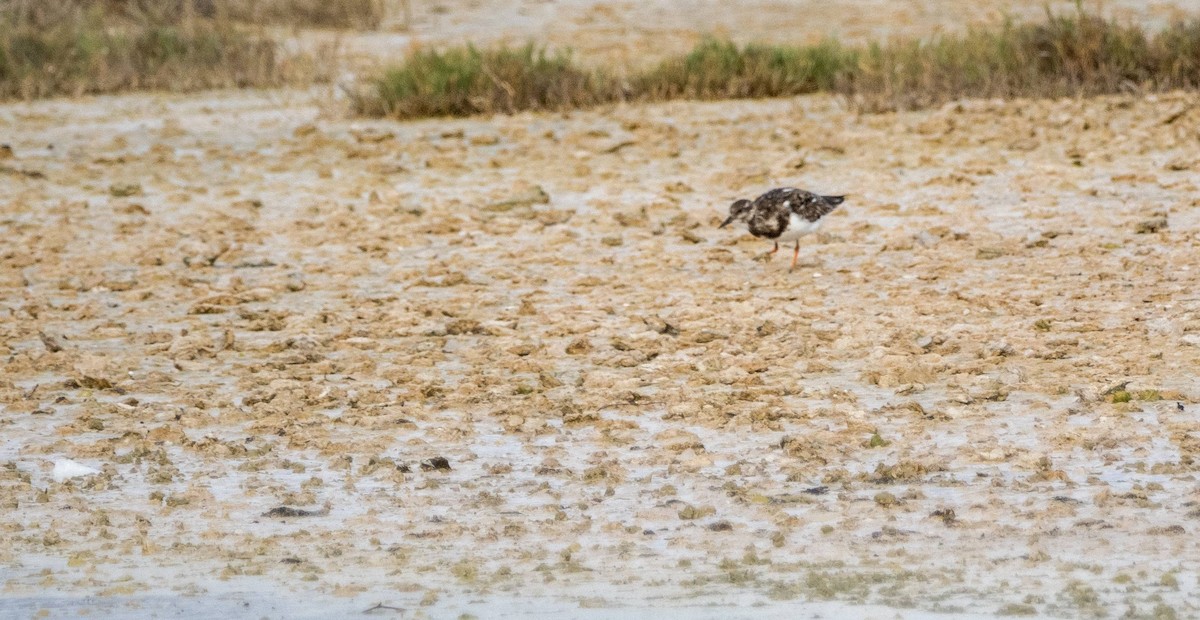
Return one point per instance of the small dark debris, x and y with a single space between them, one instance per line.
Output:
817 490
52 344
437 463
1179 406
94 383
1152 225
288 511
380 607
618 146
405 469
1066 500
1176 115
29 174
648 533
255 264
291 561
946 515
720 526
657 324
1116 387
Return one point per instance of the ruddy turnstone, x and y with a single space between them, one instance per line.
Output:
783 214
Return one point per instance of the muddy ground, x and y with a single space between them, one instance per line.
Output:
510 364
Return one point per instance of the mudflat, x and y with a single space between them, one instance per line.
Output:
503 365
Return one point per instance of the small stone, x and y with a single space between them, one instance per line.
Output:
1180 164
661 326
52 343
1152 225
437 463
578 347
534 196
690 512
295 283
121 281
92 372
464 326
946 515
288 512
372 136
885 499
123 190
522 349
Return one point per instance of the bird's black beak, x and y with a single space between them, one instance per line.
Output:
727 222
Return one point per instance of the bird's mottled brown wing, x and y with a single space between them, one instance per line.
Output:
810 206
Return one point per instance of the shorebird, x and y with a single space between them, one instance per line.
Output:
783 214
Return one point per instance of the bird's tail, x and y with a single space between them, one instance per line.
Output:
834 200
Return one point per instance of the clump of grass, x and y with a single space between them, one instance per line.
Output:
1068 55
353 14
82 47
465 81
722 70
1074 54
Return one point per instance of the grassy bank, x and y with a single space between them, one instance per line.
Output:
349 14
78 47
1065 55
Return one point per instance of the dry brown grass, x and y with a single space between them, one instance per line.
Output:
1075 54
351 14
103 46
468 81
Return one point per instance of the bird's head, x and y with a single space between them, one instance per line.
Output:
739 211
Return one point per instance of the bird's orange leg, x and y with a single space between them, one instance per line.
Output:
795 255
772 252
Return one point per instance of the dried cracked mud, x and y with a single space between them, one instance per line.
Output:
508 365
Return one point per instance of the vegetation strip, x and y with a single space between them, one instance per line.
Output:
78 47
75 47
1067 55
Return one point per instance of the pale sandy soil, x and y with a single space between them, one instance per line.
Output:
259 302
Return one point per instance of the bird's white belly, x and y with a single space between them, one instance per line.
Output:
798 227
